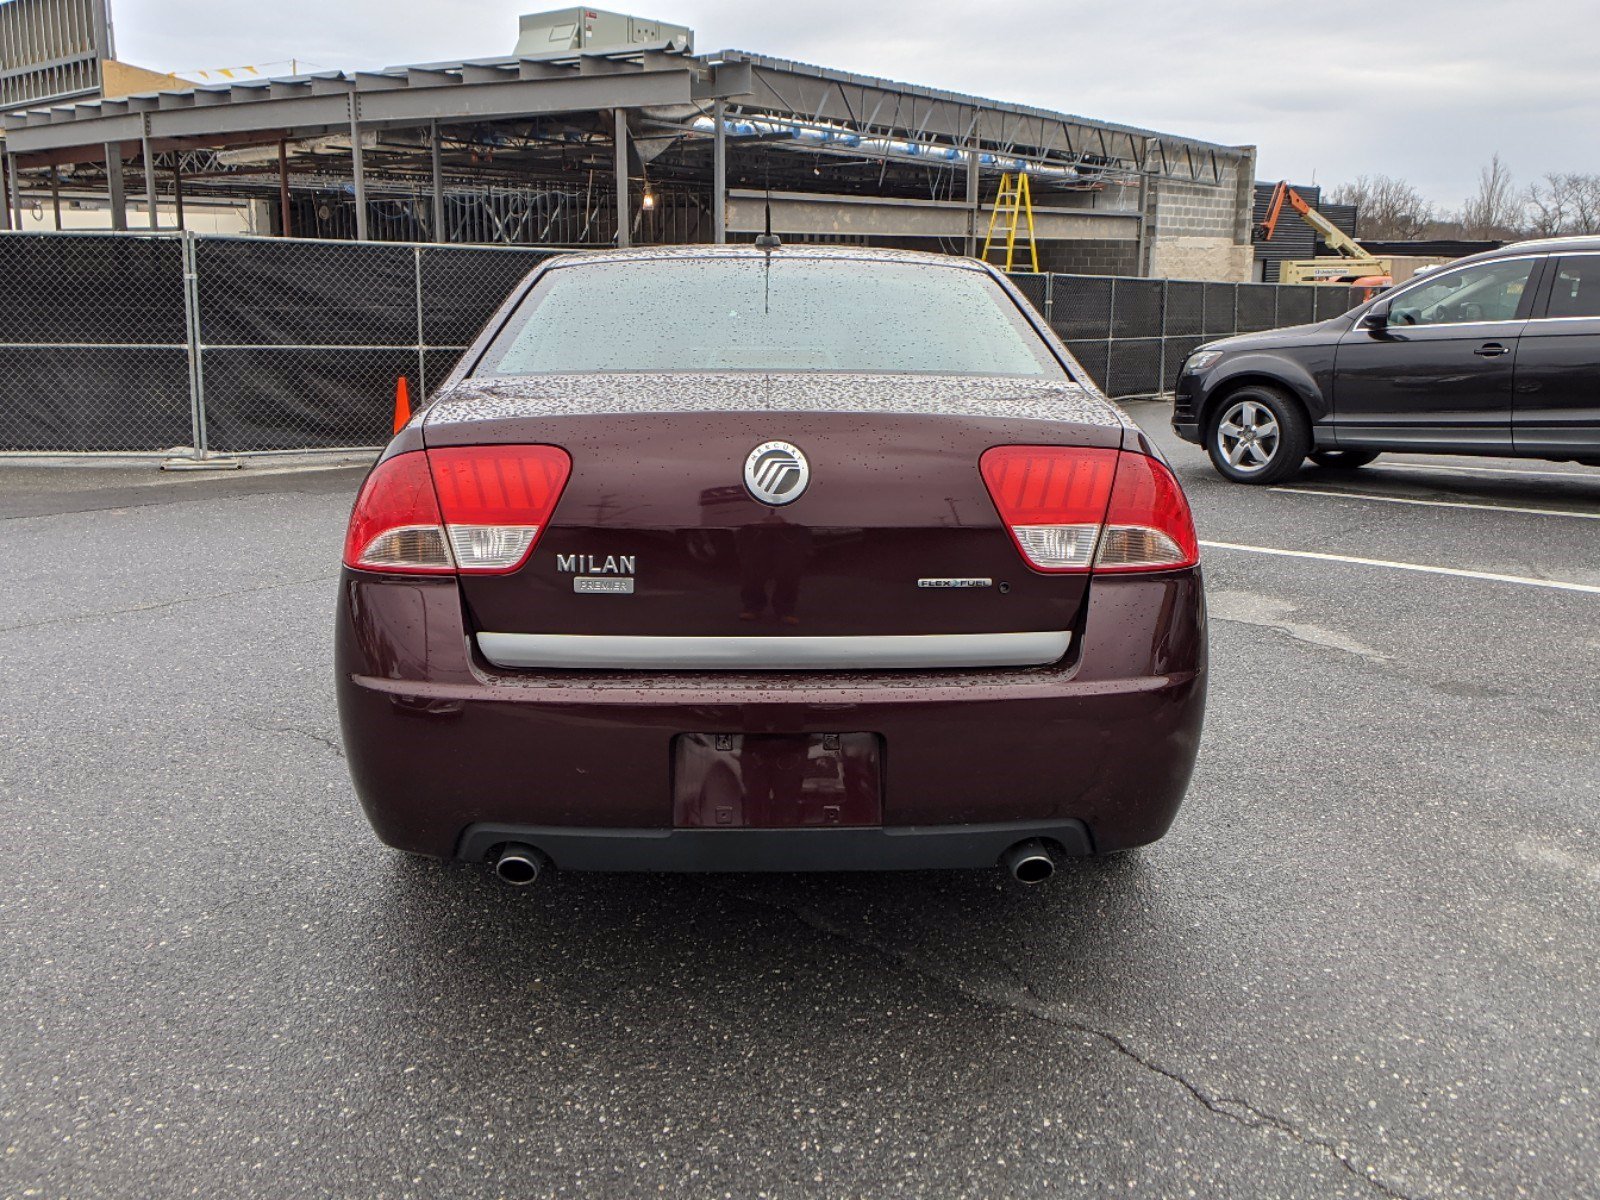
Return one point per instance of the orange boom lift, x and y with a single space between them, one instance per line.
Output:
1350 266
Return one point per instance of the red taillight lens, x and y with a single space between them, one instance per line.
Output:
1076 508
1053 500
1148 525
395 525
477 509
496 501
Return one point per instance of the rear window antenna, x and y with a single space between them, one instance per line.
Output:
768 240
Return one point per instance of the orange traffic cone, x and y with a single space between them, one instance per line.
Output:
402 403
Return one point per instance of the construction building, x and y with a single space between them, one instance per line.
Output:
601 129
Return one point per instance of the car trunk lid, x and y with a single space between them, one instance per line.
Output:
657 534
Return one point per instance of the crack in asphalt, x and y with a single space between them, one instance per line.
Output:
182 600
1027 1002
330 743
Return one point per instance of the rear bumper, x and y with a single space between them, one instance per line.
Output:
936 847
442 746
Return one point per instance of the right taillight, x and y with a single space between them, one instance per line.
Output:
473 509
496 500
1072 509
1148 523
395 524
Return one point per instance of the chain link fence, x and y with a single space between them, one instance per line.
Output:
94 347
1132 335
130 342
301 342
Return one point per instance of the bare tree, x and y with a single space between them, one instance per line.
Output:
1387 209
1548 214
1495 209
1564 203
1585 203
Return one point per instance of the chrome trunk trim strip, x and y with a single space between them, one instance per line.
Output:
772 653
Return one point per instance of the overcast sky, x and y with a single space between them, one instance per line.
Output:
1423 89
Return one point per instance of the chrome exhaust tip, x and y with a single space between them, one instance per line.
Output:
1029 862
520 865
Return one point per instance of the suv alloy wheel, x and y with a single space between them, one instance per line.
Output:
1258 436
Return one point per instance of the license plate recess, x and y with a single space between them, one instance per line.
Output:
776 781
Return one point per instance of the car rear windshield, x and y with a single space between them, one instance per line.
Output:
773 313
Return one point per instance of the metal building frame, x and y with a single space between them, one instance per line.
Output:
655 112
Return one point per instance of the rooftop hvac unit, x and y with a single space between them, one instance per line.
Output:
592 31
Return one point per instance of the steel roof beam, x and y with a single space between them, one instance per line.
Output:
532 69
526 98
420 77
370 81
817 94
212 116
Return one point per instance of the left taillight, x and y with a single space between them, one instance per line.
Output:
474 509
1052 499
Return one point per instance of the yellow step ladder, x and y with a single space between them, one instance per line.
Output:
1014 202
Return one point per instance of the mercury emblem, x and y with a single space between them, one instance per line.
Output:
776 473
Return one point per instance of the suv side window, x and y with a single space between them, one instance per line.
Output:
1576 290
1491 291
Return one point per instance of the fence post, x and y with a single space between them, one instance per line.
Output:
422 357
200 459
1161 355
1111 335
1050 299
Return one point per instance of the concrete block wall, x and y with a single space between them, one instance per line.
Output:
1212 258
1090 256
1184 209
1201 229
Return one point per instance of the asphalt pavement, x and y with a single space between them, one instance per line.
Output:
1364 962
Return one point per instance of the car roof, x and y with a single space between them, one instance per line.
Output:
1554 245
799 250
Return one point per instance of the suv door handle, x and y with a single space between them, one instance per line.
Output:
1492 350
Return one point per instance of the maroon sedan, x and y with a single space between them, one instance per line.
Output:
731 559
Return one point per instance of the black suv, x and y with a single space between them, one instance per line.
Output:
1494 354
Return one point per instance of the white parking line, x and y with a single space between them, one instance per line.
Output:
1511 508
1558 584
1481 470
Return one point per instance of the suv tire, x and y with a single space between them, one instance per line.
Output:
1258 434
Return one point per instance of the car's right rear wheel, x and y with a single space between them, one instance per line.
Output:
1342 460
1259 435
